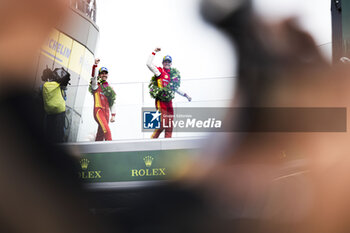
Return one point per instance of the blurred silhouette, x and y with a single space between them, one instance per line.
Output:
261 182
40 190
278 182
251 182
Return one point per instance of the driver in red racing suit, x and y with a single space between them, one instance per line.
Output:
165 108
101 104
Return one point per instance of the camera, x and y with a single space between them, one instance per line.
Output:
59 75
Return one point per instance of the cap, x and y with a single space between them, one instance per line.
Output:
167 58
103 69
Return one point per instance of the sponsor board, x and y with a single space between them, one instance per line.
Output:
134 166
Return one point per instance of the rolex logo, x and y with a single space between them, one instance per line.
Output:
87 174
148 161
84 163
148 171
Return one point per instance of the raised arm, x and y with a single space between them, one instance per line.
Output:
94 75
150 65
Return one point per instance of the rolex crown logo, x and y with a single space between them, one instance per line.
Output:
84 163
148 161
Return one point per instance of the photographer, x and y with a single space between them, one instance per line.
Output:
54 97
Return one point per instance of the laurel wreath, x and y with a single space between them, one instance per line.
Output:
107 91
165 93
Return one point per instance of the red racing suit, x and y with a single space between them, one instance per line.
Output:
165 108
101 109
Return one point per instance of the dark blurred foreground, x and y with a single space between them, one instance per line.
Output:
40 189
258 182
252 182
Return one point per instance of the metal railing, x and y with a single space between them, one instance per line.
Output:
87 7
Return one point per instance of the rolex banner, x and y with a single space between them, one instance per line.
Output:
134 166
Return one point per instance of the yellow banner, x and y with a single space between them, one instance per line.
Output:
48 48
69 54
63 49
58 47
77 57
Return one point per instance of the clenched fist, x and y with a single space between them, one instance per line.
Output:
113 119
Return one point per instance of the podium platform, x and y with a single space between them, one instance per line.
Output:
135 164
